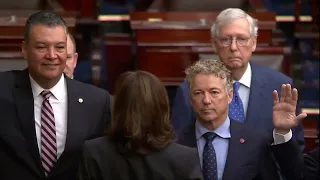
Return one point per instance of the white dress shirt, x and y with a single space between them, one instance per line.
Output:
244 93
59 103
244 89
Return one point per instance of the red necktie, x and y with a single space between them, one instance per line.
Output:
48 134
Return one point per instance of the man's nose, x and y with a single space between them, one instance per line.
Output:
51 53
206 99
233 45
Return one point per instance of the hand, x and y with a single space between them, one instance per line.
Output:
284 111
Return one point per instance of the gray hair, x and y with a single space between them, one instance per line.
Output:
232 14
43 18
209 67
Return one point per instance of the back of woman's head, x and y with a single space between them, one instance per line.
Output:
141 113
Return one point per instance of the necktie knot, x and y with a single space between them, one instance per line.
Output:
46 94
236 86
209 136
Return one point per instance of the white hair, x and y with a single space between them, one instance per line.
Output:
231 14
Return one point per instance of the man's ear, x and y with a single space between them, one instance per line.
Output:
230 96
75 60
24 49
214 46
254 45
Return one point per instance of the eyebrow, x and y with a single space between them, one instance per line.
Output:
209 89
42 42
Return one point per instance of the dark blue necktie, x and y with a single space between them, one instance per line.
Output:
236 110
209 161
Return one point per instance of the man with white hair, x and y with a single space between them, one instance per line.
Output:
234 39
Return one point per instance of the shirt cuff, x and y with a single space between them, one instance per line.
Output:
280 139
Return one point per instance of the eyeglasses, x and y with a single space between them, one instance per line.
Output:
227 41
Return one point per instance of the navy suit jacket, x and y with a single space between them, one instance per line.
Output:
252 159
19 152
260 107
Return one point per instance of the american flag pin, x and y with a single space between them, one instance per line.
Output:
80 100
242 140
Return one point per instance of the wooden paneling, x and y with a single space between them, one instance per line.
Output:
9 47
263 17
86 8
18 4
13 25
169 62
188 27
118 56
311 125
168 42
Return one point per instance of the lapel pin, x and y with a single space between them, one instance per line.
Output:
80 100
242 140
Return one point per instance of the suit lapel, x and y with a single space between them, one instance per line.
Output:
77 120
23 97
188 136
76 126
256 97
236 151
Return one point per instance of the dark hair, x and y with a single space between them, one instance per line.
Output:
44 18
141 113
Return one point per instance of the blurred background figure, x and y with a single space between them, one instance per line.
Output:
140 144
194 5
72 56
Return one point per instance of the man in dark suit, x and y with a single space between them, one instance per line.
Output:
45 115
234 38
312 165
231 150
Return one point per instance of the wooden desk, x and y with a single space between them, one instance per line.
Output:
150 27
311 128
12 24
118 56
168 42
169 62
12 60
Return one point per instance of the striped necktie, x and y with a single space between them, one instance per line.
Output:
48 134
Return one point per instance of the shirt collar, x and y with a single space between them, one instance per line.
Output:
58 91
246 78
223 131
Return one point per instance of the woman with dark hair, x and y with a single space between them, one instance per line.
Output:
140 143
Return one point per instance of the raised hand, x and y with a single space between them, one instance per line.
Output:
284 110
